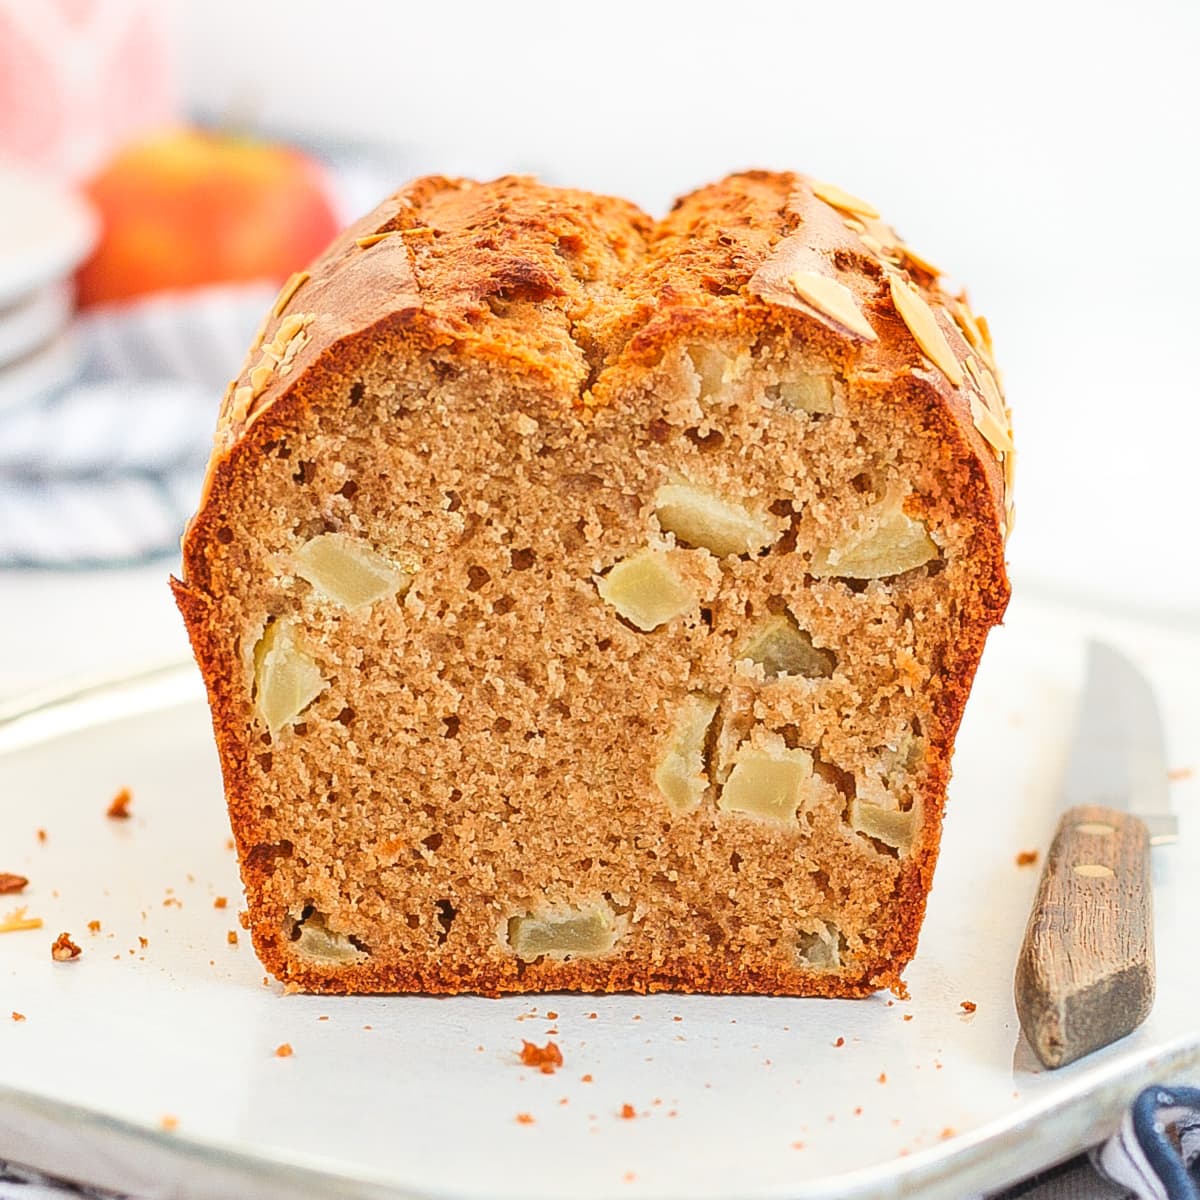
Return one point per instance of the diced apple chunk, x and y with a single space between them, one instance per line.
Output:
571 933
713 368
698 517
349 572
891 826
767 783
889 542
806 393
821 947
646 590
783 648
681 775
286 680
318 942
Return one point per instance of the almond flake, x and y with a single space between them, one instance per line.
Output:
288 291
293 348
922 324
974 329
260 376
16 921
991 393
853 223
288 328
833 300
373 239
991 429
241 403
839 198
910 256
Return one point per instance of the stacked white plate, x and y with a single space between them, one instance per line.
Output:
45 233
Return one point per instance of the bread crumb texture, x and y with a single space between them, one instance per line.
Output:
588 602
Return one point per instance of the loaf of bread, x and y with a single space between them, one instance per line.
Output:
589 602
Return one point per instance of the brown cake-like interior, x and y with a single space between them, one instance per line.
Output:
590 603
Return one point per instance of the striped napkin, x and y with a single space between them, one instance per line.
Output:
107 469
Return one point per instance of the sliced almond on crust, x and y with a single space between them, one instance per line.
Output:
919 261
841 199
992 431
288 290
373 239
922 324
833 300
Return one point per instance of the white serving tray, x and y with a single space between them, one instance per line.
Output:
414 1096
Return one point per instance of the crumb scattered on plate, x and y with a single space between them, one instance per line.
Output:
968 1006
1026 858
63 949
547 1058
220 902
93 927
231 937
524 1118
18 1016
12 884
169 1123
118 808
283 1050
628 1112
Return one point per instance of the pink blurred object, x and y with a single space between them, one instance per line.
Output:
78 78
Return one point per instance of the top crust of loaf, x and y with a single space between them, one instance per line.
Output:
577 293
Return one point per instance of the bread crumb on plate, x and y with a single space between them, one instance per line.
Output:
547 1058
118 808
63 949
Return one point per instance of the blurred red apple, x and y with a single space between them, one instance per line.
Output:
189 207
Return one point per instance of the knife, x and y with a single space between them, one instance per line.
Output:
1085 974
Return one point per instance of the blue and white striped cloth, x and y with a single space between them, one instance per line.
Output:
107 469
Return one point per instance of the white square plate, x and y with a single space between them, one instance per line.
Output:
746 1097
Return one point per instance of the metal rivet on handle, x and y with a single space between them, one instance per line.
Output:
1094 871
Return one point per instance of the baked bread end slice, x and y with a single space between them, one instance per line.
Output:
587 602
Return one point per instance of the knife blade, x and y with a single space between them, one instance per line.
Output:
1085 973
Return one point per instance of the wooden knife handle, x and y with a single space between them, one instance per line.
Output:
1085 976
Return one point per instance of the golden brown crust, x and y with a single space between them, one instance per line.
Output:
561 284
578 294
